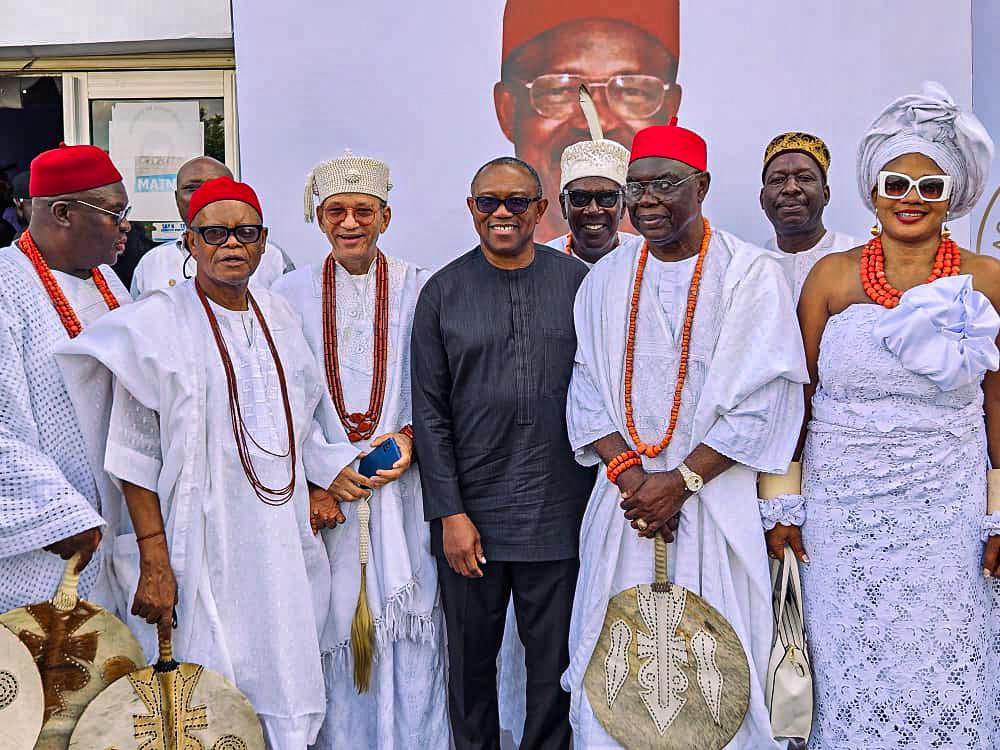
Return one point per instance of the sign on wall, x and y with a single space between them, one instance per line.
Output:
149 142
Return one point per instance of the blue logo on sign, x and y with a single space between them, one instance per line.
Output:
155 183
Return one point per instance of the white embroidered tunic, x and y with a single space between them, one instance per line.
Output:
47 489
742 397
253 580
798 265
407 704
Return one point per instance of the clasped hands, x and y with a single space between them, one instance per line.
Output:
350 486
654 498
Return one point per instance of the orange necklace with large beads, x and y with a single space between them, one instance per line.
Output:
947 262
66 313
652 451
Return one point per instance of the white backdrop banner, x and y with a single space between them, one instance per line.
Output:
416 84
986 99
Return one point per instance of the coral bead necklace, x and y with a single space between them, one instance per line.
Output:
359 426
947 262
66 313
652 451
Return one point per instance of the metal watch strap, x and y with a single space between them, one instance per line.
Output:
692 479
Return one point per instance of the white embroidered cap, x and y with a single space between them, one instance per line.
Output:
348 174
600 158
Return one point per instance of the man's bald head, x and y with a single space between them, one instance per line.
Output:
192 175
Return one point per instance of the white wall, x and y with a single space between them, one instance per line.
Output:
412 82
77 22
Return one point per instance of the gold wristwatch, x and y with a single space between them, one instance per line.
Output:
692 479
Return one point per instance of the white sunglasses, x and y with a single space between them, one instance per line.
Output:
932 188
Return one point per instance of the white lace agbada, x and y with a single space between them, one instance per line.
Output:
407 705
253 581
47 489
742 397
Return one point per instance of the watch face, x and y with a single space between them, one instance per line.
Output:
694 483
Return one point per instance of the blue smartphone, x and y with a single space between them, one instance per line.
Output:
382 457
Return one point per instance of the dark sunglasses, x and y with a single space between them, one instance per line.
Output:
246 234
582 198
516 204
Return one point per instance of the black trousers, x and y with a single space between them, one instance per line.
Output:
475 610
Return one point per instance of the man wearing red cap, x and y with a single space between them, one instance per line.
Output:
54 281
626 52
687 382
213 434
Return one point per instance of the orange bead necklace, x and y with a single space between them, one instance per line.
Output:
652 451
947 262
359 425
66 313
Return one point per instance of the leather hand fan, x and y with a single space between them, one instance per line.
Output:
668 670
79 649
169 706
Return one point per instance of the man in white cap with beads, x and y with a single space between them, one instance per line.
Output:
357 308
591 182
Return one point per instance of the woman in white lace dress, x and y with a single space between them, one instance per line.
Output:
899 335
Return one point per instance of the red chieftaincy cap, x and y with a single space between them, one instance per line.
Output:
222 189
70 169
671 142
523 20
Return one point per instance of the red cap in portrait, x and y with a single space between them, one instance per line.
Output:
70 169
222 189
671 142
523 20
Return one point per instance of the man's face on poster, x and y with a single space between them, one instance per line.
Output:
630 74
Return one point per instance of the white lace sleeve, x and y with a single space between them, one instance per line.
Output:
133 452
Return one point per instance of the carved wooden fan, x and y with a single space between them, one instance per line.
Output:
21 703
668 671
78 648
169 706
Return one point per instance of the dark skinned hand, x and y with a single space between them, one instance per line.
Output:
85 544
324 510
657 498
991 558
781 535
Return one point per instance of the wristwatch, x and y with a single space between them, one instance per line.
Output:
692 479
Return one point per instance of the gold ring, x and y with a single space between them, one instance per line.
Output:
641 523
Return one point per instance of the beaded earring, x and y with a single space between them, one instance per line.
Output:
945 231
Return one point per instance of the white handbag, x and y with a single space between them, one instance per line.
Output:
789 689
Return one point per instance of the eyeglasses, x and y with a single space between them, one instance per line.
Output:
337 215
632 97
932 188
516 204
246 234
660 189
582 198
120 216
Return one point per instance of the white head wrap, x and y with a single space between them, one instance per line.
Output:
929 123
600 158
348 174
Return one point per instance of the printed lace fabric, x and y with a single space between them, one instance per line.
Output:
902 626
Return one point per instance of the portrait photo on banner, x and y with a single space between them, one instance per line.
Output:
436 89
